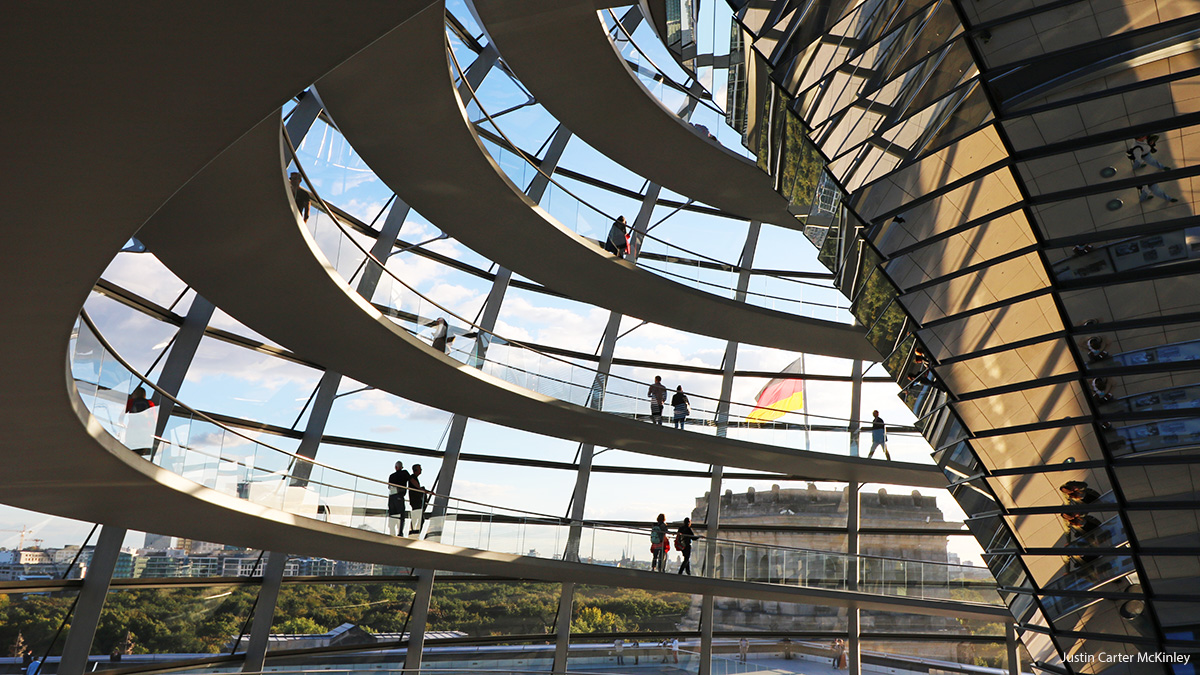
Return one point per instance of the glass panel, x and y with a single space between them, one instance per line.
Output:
36 619
600 609
175 621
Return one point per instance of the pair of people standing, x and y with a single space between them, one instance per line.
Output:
658 398
401 484
660 544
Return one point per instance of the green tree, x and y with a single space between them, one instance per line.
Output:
298 625
595 620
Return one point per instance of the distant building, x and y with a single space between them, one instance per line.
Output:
25 556
783 515
346 634
158 542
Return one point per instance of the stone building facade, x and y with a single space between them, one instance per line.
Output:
792 549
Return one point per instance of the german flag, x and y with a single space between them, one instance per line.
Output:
779 396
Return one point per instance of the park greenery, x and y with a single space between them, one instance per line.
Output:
205 620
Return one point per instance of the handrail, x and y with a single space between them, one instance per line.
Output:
546 518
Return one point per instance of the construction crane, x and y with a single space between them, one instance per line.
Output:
24 531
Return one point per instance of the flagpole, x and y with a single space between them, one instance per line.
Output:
807 441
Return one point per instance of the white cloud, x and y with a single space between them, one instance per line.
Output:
382 404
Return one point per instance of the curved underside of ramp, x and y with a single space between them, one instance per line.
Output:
396 104
58 459
562 53
233 233
139 98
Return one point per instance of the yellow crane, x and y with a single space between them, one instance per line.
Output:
24 531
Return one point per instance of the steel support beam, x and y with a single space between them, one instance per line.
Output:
91 601
854 524
417 619
264 612
713 519
1012 643
562 629
303 116
183 350
608 346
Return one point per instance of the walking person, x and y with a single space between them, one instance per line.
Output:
637 651
616 243
743 649
1078 492
416 499
658 398
684 537
878 436
397 489
680 402
619 648
303 199
1141 155
1148 192
658 543
675 649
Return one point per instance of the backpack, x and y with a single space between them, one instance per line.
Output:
679 542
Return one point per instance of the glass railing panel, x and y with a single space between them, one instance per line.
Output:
576 383
236 464
675 262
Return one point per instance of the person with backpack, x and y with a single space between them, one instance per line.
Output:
1141 154
659 546
684 537
681 404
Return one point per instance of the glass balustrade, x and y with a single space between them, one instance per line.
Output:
554 375
673 91
235 463
655 255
